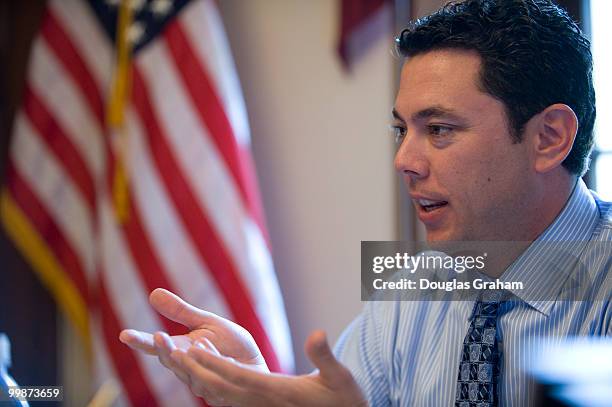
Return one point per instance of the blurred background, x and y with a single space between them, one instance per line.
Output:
317 79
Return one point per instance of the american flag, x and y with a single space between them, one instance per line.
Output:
105 210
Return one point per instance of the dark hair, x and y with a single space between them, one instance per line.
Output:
533 55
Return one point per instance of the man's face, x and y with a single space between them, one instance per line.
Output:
467 178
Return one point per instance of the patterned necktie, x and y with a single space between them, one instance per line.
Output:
479 367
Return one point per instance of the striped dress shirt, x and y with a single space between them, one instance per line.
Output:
407 353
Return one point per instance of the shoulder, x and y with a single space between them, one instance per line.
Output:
596 258
603 231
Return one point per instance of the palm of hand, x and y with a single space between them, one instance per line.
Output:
231 341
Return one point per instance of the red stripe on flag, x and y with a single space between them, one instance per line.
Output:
66 154
47 229
207 104
195 221
71 60
123 359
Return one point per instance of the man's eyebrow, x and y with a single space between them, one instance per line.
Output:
436 111
433 111
397 116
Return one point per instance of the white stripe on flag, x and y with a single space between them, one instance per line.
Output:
66 103
93 45
264 289
40 170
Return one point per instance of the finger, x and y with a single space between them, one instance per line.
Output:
207 384
163 341
251 388
173 307
208 345
164 346
226 368
138 340
322 357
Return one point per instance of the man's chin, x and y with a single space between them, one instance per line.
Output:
442 235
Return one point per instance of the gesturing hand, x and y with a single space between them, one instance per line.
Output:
221 363
229 338
224 381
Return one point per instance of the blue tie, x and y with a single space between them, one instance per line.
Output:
479 367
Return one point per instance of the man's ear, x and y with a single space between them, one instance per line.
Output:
554 132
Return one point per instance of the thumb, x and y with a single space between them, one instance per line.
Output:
321 355
176 309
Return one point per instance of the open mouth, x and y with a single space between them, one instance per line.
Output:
429 206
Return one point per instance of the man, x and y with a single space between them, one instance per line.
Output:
494 116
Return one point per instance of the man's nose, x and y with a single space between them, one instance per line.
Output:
410 159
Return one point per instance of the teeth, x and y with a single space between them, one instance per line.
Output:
427 202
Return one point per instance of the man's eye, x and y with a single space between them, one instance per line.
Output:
399 133
437 130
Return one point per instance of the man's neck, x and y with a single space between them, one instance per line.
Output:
553 198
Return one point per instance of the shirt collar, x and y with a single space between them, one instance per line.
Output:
546 264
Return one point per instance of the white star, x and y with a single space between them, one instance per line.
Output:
161 7
135 33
